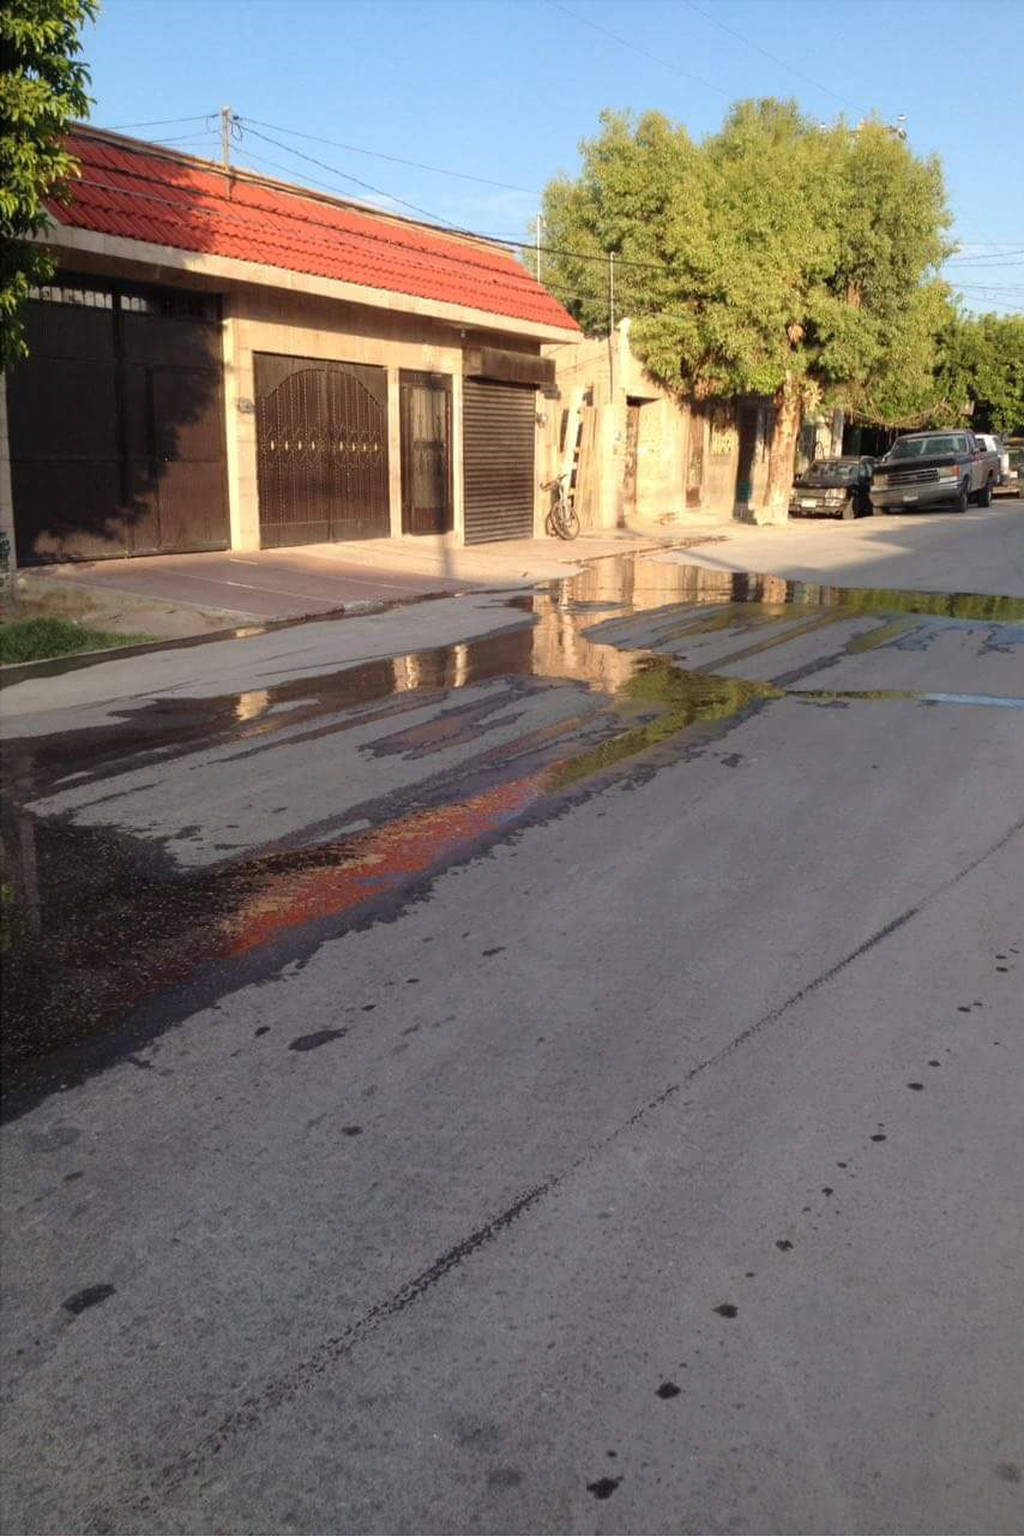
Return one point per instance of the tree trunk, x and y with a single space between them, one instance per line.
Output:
786 431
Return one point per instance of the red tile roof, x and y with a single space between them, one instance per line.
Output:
127 189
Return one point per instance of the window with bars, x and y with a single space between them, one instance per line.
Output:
73 293
171 303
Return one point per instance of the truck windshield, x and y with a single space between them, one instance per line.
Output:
927 447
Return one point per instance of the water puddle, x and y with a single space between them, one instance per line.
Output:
97 921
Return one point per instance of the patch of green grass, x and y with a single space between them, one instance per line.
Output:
39 639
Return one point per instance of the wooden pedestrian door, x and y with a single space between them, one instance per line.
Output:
426 452
117 423
322 450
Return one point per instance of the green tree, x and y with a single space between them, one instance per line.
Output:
982 365
908 385
776 258
42 88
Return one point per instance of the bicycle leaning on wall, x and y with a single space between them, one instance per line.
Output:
562 521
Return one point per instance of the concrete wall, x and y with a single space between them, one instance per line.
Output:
662 434
672 435
702 461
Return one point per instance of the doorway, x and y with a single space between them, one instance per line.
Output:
632 447
117 423
322 450
426 401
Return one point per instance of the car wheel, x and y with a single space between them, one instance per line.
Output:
849 509
985 494
963 501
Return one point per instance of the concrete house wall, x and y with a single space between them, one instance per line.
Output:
686 461
258 319
301 314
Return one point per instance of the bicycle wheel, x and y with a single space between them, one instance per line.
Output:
570 522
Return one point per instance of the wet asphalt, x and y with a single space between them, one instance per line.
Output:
522 1063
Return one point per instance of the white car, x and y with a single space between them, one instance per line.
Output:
992 444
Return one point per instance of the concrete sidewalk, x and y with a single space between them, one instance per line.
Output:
176 595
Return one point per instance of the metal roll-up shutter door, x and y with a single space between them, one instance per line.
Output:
497 451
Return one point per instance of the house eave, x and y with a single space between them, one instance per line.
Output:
67 240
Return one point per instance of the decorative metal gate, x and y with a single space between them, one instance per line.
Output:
117 423
499 425
322 450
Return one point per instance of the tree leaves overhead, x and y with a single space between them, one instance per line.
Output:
983 367
42 88
776 255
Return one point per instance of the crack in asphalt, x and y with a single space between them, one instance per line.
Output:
285 1388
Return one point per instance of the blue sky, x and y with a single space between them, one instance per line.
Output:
504 89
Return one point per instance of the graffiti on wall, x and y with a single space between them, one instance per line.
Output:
725 439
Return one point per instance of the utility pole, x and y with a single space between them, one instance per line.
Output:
227 117
611 291
540 225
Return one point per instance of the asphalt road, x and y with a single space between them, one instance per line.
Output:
541 1065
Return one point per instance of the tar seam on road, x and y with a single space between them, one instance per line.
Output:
251 1412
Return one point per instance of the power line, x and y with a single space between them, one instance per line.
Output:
161 122
437 170
344 175
765 53
186 138
1007 259
524 245
624 42
501 242
312 181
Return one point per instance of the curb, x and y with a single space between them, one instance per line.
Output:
56 666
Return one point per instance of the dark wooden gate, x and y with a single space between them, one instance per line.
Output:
426 452
322 450
499 424
117 424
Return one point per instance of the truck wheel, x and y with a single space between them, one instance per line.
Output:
849 509
963 501
985 494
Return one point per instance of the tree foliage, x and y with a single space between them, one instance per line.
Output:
777 257
982 368
42 88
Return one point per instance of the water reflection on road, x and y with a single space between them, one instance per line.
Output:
465 741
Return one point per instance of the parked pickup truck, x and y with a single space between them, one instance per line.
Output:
933 469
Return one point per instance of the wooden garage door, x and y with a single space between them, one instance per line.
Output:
498 437
117 424
322 450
